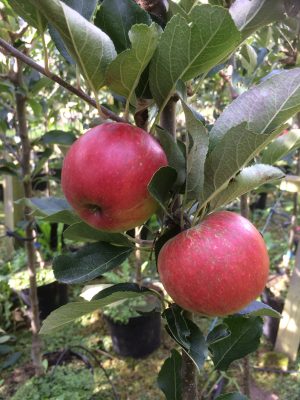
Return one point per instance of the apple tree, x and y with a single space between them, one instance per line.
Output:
157 57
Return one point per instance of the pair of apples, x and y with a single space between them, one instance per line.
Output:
215 268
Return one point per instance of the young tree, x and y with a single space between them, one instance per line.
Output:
158 56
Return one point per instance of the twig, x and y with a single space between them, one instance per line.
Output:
272 211
141 242
116 396
55 78
104 353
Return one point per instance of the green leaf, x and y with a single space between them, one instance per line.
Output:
169 377
43 158
52 209
187 4
5 349
10 360
187 334
232 396
235 149
244 339
89 262
248 58
6 86
196 152
46 205
116 17
259 309
161 185
81 231
219 332
249 16
124 73
177 324
189 48
167 235
174 154
85 8
281 146
175 8
36 108
258 109
64 217
8 170
58 137
248 179
5 338
91 48
42 83
71 311
29 13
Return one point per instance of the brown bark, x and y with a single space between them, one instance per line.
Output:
29 232
245 206
9 49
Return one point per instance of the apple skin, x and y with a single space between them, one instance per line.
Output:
105 176
217 267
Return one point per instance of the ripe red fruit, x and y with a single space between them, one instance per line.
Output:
217 267
105 176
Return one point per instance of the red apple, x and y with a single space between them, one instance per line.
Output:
105 176
217 267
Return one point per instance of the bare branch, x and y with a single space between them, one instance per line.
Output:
55 78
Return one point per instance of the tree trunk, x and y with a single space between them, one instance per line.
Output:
29 231
188 369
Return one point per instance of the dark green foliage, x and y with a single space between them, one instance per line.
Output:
65 383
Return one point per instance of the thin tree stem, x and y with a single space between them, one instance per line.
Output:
188 370
30 250
246 361
55 78
189 373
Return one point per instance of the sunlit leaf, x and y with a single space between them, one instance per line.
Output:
189 48
89 262
91 48
125 71
71 311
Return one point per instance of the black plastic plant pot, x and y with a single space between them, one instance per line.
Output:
50 296
137 339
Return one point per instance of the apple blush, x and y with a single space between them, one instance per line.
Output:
106 173
217 267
